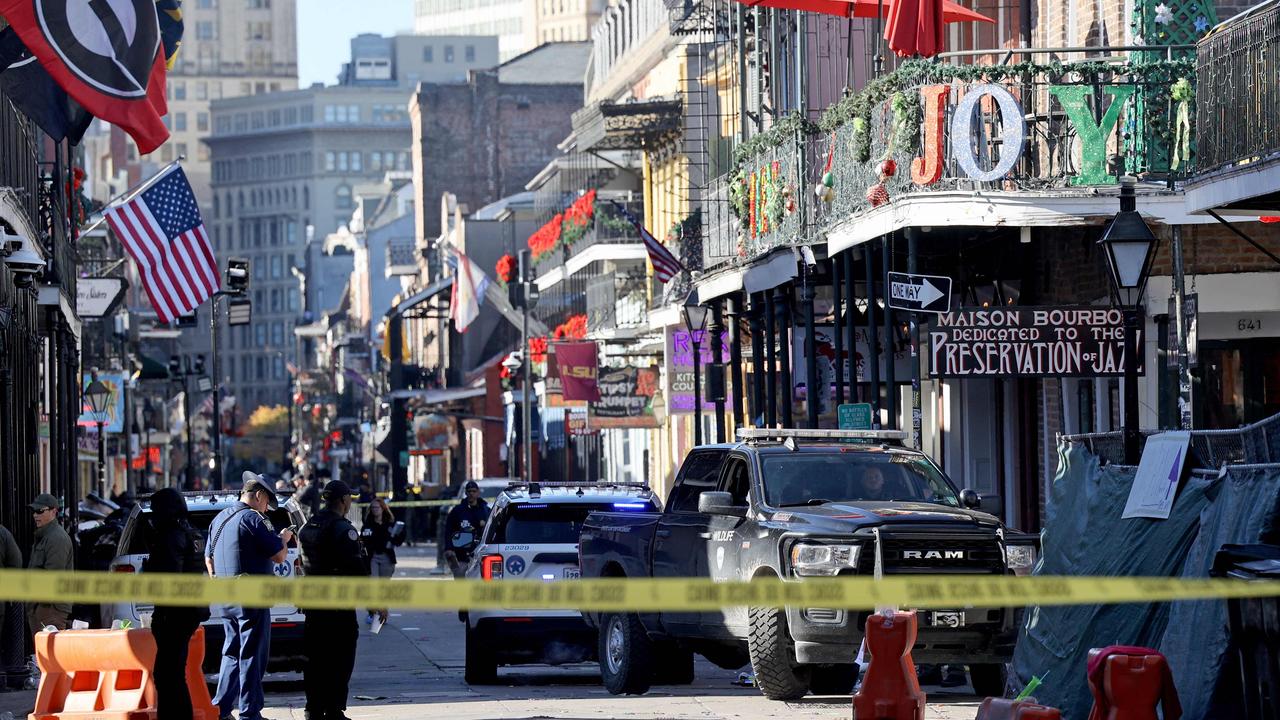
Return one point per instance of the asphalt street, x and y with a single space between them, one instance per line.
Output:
413 669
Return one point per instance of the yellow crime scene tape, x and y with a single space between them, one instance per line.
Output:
850 593
416 503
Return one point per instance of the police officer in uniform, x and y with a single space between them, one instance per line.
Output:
331 546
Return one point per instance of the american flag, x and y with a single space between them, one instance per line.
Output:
665 265
161 230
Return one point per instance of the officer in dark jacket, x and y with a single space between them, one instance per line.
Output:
176 547
331 546
463 527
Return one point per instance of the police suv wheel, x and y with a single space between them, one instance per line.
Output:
778 675
481 666
626 655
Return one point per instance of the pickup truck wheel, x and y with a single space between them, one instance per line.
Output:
626 655
833 679
674 666
988 679
772 658
481 666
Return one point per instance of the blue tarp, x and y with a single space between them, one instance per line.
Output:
1084 535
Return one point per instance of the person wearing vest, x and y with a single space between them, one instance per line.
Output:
242 542
331 547
176 547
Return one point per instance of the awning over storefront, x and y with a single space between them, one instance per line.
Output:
420 297
1004 209
627 125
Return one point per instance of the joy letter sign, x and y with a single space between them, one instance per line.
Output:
1092 134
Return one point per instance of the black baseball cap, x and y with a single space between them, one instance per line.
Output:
253 481
335 488
471 485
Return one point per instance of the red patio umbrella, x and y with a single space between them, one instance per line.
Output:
951 11
916 28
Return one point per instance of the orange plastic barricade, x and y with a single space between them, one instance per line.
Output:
890 690
1129 683
202 707
98 674
1002 709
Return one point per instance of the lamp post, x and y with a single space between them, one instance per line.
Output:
695 320
1130 248
97 394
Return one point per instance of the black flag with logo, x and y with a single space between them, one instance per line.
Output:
26 83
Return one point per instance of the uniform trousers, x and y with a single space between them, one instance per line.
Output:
330 641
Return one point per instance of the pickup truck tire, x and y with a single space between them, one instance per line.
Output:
674 666
833 679
772 658
988 679
481 665
627 658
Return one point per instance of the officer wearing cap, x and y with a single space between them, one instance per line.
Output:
331 547
242 542
51 551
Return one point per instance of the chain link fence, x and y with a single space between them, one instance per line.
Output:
1256 444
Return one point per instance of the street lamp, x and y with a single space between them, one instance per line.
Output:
97 394
695 320
1130 249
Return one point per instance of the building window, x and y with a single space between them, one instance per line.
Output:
277 333
293 300
353 113
275 300
428 54
469 53
448 53
342 197
356 164
180 122
307 114
202 121
375 161
202 152
205 30
330 161
261 367
206 4
277 268
178 90
181 149
260 334
291 116
330 113
342 162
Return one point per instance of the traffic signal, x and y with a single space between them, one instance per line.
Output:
175 367
199 370
237 275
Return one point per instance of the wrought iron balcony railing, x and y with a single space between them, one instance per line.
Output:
1238 93
608 227
617 300
1035 125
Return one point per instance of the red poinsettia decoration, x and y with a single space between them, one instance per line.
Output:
544 239
538 349
575 328
578 218
505 268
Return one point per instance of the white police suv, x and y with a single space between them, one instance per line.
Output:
286 654
532 534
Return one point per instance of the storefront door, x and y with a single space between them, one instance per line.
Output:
1238 382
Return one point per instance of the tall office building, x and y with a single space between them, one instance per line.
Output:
286 167
520 25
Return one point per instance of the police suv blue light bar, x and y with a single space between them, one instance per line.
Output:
630 506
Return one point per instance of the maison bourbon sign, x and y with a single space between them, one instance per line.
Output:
1028 342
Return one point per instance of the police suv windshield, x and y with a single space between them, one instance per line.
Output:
795 479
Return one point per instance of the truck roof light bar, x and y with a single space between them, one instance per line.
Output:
780 434
560 484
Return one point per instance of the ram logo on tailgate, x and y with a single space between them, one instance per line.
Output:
932 554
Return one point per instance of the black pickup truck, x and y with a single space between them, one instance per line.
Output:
793 504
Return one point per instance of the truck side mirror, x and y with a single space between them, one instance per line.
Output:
970 499
714 502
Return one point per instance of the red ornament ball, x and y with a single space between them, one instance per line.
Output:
877 195
888 168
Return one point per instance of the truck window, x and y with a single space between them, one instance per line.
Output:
737 480
814 478
538 524
701 471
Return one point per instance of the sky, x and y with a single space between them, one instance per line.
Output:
325 29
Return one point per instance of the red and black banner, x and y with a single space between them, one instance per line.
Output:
106 54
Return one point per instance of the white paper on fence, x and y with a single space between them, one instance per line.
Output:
1155 486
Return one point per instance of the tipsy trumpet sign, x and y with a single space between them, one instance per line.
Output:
1029 342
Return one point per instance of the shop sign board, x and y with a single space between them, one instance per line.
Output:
432 431
680 369
97 296
627 397
575 420
1083 341
825 350
921 293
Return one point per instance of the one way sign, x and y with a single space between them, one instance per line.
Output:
925 293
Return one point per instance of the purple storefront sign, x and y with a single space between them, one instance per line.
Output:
680 370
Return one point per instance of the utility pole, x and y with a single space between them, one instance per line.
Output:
913 324
528 297
1180 317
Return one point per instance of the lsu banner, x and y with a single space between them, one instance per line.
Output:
578 367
